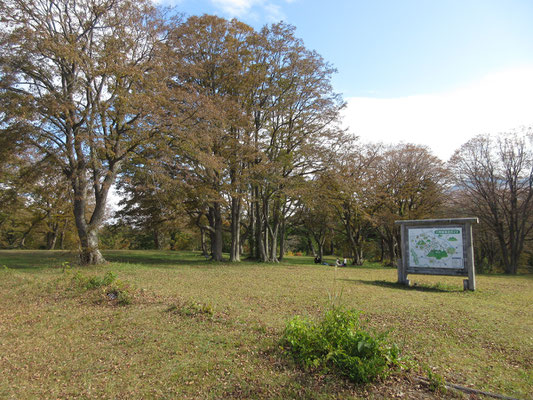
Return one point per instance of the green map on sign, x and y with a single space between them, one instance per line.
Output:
436 247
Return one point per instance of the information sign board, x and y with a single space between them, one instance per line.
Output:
437 247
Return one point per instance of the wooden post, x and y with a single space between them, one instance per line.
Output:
471 283
402 262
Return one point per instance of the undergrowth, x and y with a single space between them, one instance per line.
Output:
436 382
339 343
191 309
106 288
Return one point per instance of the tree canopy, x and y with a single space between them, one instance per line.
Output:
220 137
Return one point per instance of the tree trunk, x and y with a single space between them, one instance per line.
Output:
390 245
203 242
251 230
51 237
358 258
88 231
62 236
90 254
273 242
216 235
282 241
259 228
157 242
310 247
320 251
236 205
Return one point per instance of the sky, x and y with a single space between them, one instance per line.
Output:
430 72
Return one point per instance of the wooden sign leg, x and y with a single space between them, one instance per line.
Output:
471 281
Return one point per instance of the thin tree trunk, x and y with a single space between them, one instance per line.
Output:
282 241
251 230
215 221
62 236
259 224
157 241
217 254
236 205
203 242
310 247
51 236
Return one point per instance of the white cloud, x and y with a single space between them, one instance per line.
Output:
267 9
444 121
235 8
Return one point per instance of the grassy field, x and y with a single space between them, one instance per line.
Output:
197 329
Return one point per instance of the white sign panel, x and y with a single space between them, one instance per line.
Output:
436 247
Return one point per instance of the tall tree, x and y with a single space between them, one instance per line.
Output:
296 117
80 78
351 195
496 174
214 58
408 183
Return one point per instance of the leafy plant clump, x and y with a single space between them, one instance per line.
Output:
110 288
339 343
93 282
192 309
436 381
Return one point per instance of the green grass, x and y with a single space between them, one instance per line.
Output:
198 329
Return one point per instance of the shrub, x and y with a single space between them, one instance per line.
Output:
338 342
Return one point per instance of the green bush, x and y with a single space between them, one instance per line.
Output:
338 342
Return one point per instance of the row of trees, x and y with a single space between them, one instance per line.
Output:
206 105
207 125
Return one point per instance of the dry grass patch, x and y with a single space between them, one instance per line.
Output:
55 344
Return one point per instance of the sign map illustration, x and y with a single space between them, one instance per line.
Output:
436 247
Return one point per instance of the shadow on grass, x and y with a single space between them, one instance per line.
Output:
158 259
36 259
437 287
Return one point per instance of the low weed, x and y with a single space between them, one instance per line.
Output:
338 342
93 282
436 382
192 309
105 288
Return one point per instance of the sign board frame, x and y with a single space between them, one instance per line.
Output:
467 269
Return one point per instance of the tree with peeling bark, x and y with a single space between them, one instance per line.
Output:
81 80
496 176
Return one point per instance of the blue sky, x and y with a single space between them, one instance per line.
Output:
412 70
